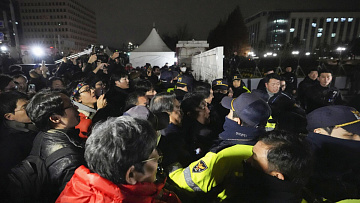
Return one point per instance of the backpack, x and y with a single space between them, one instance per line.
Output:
29 180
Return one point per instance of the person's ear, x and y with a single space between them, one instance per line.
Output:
277 174
130 176
9 116
55 118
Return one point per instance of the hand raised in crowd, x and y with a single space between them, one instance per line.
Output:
92 58
101 102
115 55
100 66
44 70
73 60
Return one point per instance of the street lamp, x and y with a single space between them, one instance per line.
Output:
3 48
340 49
297 53
38 51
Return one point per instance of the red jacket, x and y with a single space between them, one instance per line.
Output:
85 186
84 126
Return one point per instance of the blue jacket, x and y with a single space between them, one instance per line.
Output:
337 167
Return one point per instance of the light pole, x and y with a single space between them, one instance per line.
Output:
341 67
297 53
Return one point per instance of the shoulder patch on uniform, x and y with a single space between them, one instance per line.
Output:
200 167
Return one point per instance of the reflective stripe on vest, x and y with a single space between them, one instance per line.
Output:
189 181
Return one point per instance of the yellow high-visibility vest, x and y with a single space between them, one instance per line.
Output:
212 170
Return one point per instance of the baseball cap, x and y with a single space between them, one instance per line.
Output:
221 84
166 76
159 120
236 77
184 81
249 107
336 115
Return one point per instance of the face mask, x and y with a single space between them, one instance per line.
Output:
183 69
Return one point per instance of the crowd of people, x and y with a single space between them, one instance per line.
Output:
103 132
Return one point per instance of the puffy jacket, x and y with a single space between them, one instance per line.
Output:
85 186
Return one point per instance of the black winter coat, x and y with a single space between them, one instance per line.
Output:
61 171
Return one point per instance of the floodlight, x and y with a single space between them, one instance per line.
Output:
38 51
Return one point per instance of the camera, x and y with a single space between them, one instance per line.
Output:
100 54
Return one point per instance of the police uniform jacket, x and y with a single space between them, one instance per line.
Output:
214 170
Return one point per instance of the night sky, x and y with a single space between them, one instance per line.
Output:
121 21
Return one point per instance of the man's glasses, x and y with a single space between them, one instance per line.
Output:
86 90
158 159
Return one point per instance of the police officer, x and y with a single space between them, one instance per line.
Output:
238 86
323 94
291 81
309 81
334 132
244 128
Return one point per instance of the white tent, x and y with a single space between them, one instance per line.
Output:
154 51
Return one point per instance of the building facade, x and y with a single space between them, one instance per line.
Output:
270 30
9 16
63 25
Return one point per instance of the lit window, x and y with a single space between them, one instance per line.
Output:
279 30
280 21
328 20
319 34
343 19
336 20
350 19
313 24
333 34
320 30
292 29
